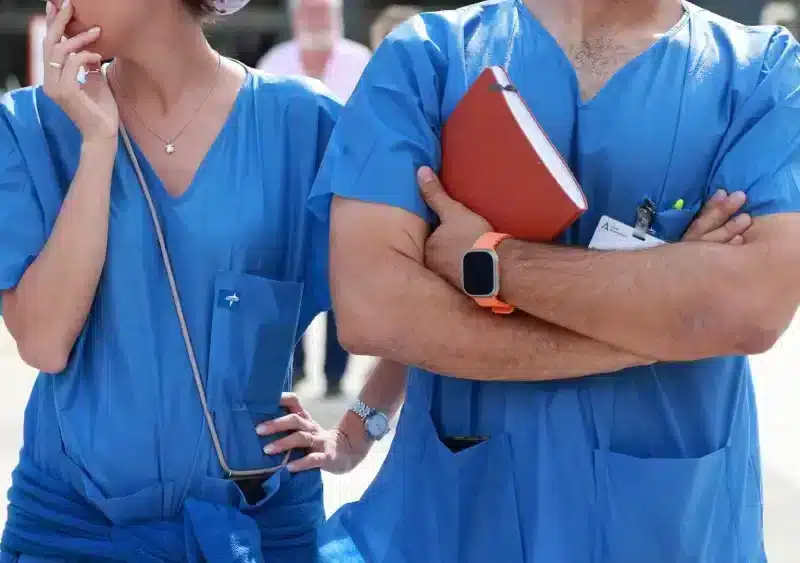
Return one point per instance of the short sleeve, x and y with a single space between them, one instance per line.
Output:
316 289
762 152
390 126
22 225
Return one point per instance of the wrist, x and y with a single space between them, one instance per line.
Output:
99 146
507 254
352 428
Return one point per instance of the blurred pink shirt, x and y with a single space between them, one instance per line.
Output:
341 75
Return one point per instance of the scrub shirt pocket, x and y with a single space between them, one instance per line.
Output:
670 225
253 332
444 506
664 510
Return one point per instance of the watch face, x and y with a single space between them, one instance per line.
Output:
479 273
377 425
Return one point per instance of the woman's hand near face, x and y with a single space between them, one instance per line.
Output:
91 105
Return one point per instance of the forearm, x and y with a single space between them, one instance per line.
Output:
46 311
383 390
385 387
416 318
675 302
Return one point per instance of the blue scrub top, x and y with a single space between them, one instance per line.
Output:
650 464
123 424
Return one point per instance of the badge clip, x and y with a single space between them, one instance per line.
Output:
502 88
644 219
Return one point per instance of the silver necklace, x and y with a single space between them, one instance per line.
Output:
169 144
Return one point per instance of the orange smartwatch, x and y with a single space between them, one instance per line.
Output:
480 273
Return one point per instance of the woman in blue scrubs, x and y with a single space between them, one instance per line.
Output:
649 464
118 462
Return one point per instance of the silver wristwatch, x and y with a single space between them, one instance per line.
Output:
376 424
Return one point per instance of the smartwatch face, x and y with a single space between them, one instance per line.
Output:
479 273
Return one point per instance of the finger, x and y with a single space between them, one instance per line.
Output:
715 213
64 84
432 191
704 221
74 44
58 25
733 228
313 460
55 33
292 402
289 423
72 66
49 12
294 441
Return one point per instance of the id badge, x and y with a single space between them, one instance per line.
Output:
611 234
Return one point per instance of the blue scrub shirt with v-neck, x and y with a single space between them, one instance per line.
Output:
654 464
118 439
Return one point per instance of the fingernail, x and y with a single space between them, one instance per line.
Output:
743 219
425 174
291 466
94 30
66 4
48 9
738 196
718 195
262 429
269 450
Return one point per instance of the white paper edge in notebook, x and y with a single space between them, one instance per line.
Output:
550 156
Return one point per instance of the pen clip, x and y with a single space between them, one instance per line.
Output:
644 218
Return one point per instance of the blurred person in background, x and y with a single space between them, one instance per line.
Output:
389 18
320 50
139 434
783 12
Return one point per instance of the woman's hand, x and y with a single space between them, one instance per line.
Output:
91 105
333 451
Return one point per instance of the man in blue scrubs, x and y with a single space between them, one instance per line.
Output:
613 415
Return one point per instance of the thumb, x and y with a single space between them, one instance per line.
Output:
432 191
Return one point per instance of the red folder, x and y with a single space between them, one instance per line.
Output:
497 160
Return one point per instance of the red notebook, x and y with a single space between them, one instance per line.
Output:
497 161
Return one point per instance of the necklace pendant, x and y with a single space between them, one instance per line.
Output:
170 148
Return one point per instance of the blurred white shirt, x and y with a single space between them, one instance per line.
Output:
344 68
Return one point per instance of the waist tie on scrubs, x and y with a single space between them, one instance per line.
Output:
47 517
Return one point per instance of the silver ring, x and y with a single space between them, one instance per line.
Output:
54 64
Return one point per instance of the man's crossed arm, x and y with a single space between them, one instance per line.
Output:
684 301
391 304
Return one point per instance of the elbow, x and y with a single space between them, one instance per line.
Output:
757 336
355 336
726 328
754 329
364 332
759 342
39 345
41 355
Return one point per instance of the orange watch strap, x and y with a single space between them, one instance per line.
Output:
489 241
493 303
